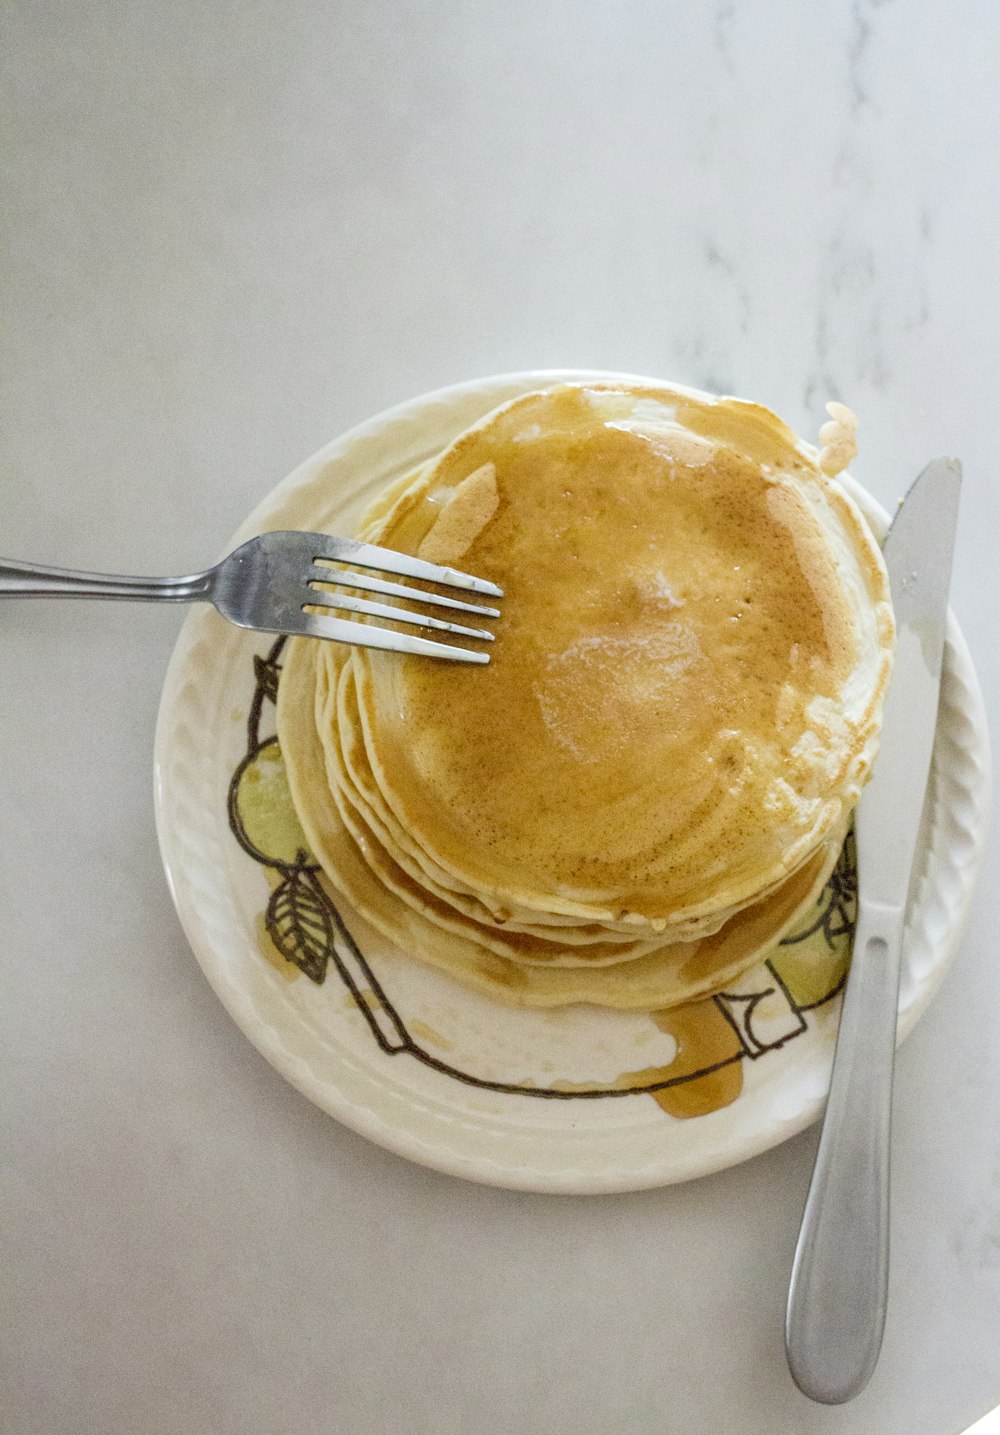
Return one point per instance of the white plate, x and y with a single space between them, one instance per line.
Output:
418 1063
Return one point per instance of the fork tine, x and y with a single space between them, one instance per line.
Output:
347 578
362 635
397 615
366 555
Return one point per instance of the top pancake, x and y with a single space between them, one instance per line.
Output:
685 691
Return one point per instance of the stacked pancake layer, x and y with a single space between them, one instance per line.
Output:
652 779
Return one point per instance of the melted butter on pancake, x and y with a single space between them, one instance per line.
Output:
631 673
465 513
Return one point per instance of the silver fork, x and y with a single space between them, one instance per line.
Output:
271 583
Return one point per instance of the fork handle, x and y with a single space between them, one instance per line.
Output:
36 580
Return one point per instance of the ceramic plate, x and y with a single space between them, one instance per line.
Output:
573 1100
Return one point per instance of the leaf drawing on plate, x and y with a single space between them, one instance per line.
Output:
299 923
837 903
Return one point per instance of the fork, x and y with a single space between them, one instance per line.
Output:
273 583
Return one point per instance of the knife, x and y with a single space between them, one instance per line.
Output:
837 1297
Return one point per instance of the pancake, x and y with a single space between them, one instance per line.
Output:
352 783
684 696
557 945
650 783
350 778
358 813
366 825
673 973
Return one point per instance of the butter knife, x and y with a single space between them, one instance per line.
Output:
837 1298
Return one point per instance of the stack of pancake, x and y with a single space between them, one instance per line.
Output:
651 781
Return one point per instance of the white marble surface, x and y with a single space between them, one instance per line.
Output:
232 231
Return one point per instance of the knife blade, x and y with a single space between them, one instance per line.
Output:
837 1297
918 554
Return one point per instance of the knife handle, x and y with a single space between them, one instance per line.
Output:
837 1297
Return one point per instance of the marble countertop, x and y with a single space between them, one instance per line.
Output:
233 231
